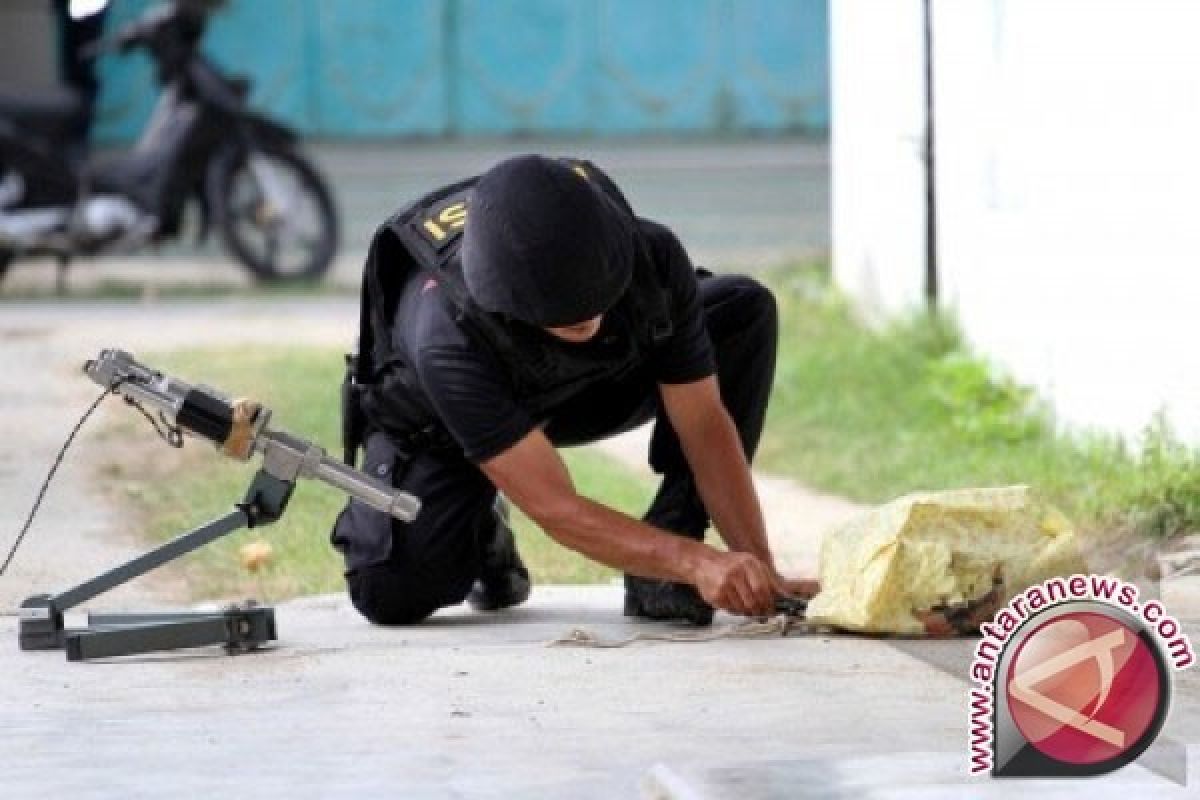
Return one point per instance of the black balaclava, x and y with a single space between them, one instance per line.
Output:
545 245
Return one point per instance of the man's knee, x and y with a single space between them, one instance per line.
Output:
739 304
387 595
390 614
756 302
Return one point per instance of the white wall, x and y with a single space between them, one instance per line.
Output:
1068 186
876 140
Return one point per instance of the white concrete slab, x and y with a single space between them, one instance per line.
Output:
478 706
929 776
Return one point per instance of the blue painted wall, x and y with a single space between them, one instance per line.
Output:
344 68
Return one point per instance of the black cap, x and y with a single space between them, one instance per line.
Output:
545 245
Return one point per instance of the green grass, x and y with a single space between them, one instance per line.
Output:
872 414
300 385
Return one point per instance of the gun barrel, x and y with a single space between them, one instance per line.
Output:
289 457
376 494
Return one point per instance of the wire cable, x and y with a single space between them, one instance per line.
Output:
50 475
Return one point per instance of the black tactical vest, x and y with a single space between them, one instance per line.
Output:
425 238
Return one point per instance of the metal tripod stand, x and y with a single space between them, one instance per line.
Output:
242 431
42 627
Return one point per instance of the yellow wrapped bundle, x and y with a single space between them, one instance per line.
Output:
932 549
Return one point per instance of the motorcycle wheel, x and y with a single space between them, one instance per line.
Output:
276 215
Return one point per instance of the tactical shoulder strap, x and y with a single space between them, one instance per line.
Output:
418 237
433 225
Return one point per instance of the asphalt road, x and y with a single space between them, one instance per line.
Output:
739 205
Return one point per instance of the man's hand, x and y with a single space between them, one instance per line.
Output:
799 588
738 582
964 619
744 584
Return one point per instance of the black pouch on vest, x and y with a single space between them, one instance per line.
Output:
362 534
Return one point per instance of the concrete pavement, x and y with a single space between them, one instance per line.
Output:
479 706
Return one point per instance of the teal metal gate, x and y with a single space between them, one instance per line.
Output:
343 68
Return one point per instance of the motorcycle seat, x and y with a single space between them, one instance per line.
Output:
51 113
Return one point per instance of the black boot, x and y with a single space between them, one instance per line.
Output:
655 599
676 509
503 579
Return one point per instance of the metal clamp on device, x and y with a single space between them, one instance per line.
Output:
240 429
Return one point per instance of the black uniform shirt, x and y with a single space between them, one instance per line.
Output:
475 395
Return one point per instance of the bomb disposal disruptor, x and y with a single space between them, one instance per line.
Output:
240 429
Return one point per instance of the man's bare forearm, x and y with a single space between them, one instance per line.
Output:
726 486
532 475
620 541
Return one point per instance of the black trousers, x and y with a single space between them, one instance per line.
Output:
400 573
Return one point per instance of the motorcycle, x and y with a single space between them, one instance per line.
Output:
202 145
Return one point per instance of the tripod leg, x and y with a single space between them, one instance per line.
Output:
41 625
169 551
237 629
